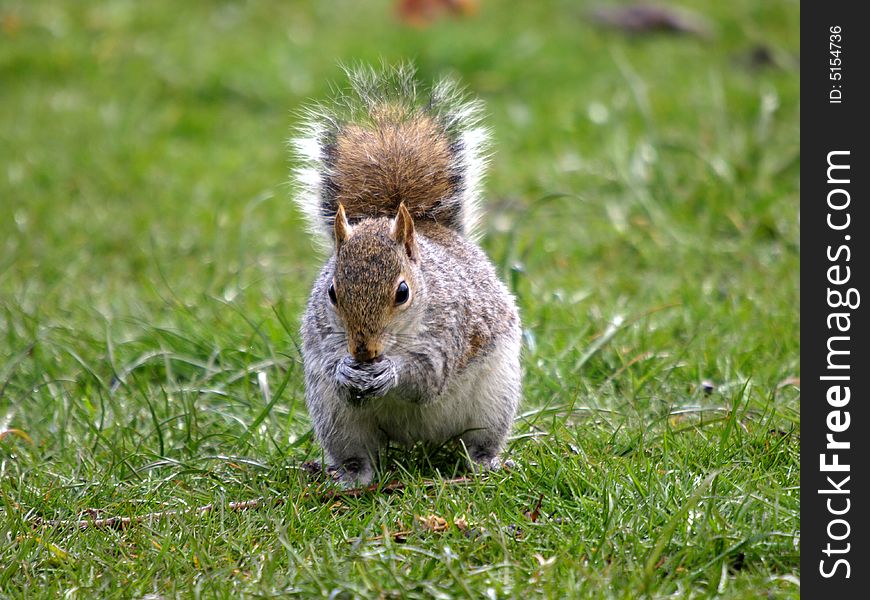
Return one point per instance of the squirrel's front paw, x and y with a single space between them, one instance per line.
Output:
366 379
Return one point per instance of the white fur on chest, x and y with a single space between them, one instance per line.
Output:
470 402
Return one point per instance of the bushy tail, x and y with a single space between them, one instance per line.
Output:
382 143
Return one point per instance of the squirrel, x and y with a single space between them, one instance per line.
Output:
408 334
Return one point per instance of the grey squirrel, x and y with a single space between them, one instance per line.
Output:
408 334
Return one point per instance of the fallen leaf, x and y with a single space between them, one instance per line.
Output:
419 13
11 24
433 523
646 18
535 512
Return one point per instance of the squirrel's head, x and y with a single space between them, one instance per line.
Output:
374 283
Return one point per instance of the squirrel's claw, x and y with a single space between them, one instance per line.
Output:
484 465
363 380
352 473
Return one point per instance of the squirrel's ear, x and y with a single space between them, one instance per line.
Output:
342 227
403 232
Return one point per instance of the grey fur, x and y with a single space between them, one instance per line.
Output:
420 390
443 365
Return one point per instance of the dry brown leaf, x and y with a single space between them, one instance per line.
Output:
535 512
420 13
432 523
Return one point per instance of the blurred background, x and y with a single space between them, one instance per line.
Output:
144 144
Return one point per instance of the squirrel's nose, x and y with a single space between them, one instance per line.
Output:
364 351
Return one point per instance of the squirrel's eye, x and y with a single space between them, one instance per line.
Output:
402 293
331 292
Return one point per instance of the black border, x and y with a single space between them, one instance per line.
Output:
826 127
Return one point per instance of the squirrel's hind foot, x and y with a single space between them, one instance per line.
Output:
483 463
349 474
352 473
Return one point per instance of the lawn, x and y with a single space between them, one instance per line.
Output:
642 205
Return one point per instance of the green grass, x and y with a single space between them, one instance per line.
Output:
643 204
